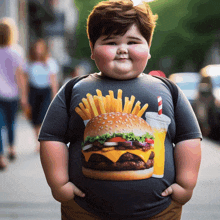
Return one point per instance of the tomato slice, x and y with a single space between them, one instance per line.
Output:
148 140
116 139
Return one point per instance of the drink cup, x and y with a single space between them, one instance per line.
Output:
159 124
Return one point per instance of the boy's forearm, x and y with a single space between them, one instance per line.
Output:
187 155
54 159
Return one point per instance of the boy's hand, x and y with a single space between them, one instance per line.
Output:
178 193
66 192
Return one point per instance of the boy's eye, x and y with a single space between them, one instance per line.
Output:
132 42
111 43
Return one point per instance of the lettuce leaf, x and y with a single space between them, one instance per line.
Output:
128 136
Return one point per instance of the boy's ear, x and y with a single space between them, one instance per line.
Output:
91 47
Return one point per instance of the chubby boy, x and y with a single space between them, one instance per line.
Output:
109 169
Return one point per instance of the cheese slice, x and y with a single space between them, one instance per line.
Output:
114 155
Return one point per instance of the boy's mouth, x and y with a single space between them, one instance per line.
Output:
122 58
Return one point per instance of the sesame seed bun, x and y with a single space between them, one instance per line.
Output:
117 122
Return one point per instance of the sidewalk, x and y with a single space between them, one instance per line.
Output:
24 193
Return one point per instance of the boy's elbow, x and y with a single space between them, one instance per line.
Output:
187 180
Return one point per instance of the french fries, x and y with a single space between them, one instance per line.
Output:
95 105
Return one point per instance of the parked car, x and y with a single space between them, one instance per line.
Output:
188 83
208 101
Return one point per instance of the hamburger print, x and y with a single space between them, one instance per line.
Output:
118 143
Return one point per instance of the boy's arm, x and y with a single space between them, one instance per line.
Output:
54 159
187 156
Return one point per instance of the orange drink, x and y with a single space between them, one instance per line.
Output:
159 124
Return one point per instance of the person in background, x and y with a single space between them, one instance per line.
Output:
43 86
55 68
14 39
78 70
12 85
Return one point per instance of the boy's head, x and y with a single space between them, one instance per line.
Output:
120 38
117 16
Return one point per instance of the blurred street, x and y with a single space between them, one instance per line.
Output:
25 195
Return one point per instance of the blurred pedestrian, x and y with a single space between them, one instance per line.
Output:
11 81
43 86
78 70
14 37
56 69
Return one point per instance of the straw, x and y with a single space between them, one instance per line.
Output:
159 105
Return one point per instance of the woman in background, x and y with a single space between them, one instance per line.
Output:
14 37
43 83
12 81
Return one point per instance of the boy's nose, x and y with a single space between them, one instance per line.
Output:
122 50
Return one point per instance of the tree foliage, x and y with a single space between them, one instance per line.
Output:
185 31
82 49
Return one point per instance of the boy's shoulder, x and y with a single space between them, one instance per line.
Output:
172 87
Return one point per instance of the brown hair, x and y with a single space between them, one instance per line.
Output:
33 56
13 34
5 33
117 16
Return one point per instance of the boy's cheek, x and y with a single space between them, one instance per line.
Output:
105 52
141 55
140 52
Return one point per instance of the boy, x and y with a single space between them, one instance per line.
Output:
108 172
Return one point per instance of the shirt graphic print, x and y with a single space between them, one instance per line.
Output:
118 143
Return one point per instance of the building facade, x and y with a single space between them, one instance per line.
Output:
51 20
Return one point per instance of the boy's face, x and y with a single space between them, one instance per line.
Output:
121 57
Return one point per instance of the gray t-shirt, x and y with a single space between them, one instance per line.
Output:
122 198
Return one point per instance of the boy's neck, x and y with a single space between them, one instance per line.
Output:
104 76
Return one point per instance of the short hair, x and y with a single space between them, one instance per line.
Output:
13 36
33 56
117 16
5 33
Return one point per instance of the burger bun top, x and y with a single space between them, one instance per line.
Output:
117 122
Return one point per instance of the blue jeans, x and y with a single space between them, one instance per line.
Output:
8 110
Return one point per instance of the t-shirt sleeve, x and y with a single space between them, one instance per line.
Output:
26 67
17 60
187 126
54 68
55 123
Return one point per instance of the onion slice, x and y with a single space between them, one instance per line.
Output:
87 146
110 143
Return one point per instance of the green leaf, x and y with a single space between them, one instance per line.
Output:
128 136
